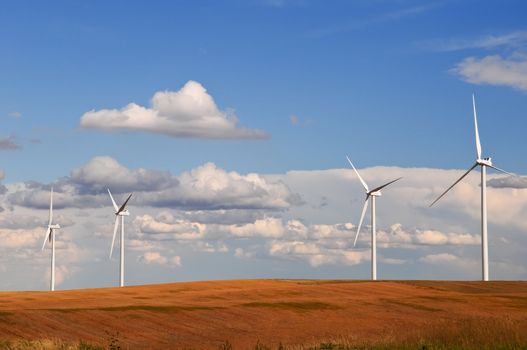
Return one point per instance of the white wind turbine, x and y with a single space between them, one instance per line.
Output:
483 163
376 192
119 212
50 235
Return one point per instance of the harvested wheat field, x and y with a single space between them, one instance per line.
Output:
295 313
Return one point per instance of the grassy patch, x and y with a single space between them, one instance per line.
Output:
161 308
319 282
294 305
410 305
46 344
152 308
515 301
441 298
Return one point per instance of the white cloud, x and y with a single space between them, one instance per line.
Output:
105 172
189 112
154 258
209 187
267 227
20 238
62 272
399 236
175 261
174 229
442 258
494 70
311 234
206 187
315 253
513 40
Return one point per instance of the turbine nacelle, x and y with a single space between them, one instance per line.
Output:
484 161
123 213
374 193
54 227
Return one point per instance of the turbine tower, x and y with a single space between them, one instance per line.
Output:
376 192
120 212
483 163
50 236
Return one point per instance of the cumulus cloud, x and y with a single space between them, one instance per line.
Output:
315 235
21 238
494 70
62 272
157 258
206 187
189 113
397 235
508 182
154 258
315 253
167 226
105 172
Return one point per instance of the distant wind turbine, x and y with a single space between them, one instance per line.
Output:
50 236
376 192
119 212
483 163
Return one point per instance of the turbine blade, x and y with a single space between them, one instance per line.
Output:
386 184
115 227
124 204
51 207
361 219
360 178
503 171
48 234
113 202
478 144
455 183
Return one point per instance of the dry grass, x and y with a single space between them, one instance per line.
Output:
271 314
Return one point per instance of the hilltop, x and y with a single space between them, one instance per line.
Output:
207 315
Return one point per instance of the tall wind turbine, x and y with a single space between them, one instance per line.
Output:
483 163
50 236
120 212
376 192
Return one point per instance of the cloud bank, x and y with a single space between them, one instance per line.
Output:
206 187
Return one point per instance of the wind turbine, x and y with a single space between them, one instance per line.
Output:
119 212
376 192
483 163
50 236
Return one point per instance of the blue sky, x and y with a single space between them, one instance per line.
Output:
387 82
